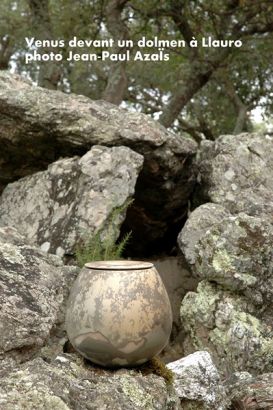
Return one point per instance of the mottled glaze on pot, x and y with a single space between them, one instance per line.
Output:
118 313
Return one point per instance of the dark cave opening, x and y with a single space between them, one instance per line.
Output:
160 208
150 239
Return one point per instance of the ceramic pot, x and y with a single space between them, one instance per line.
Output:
119 313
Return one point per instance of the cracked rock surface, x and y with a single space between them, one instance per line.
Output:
251 393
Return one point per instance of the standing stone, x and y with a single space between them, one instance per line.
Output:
197 225
72 199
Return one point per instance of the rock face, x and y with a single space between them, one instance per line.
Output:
234 251
197 383
236 172
33 291
68 384
38 126
228 245
229 327
72 199
199 222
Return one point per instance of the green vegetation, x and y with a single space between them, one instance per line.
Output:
102 245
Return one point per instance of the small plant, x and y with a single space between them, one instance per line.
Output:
102 244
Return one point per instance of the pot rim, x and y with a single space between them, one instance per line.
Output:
119 265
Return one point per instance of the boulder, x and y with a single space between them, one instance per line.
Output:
68 383
34 288
72 199
236 171
228 326
198 383
196 226
38 126
233 250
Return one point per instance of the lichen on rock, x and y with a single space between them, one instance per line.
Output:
233 251
228 245
251 393
236 172
227 325
68 383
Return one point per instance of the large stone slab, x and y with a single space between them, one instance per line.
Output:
72 199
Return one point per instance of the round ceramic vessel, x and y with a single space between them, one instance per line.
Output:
119 313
